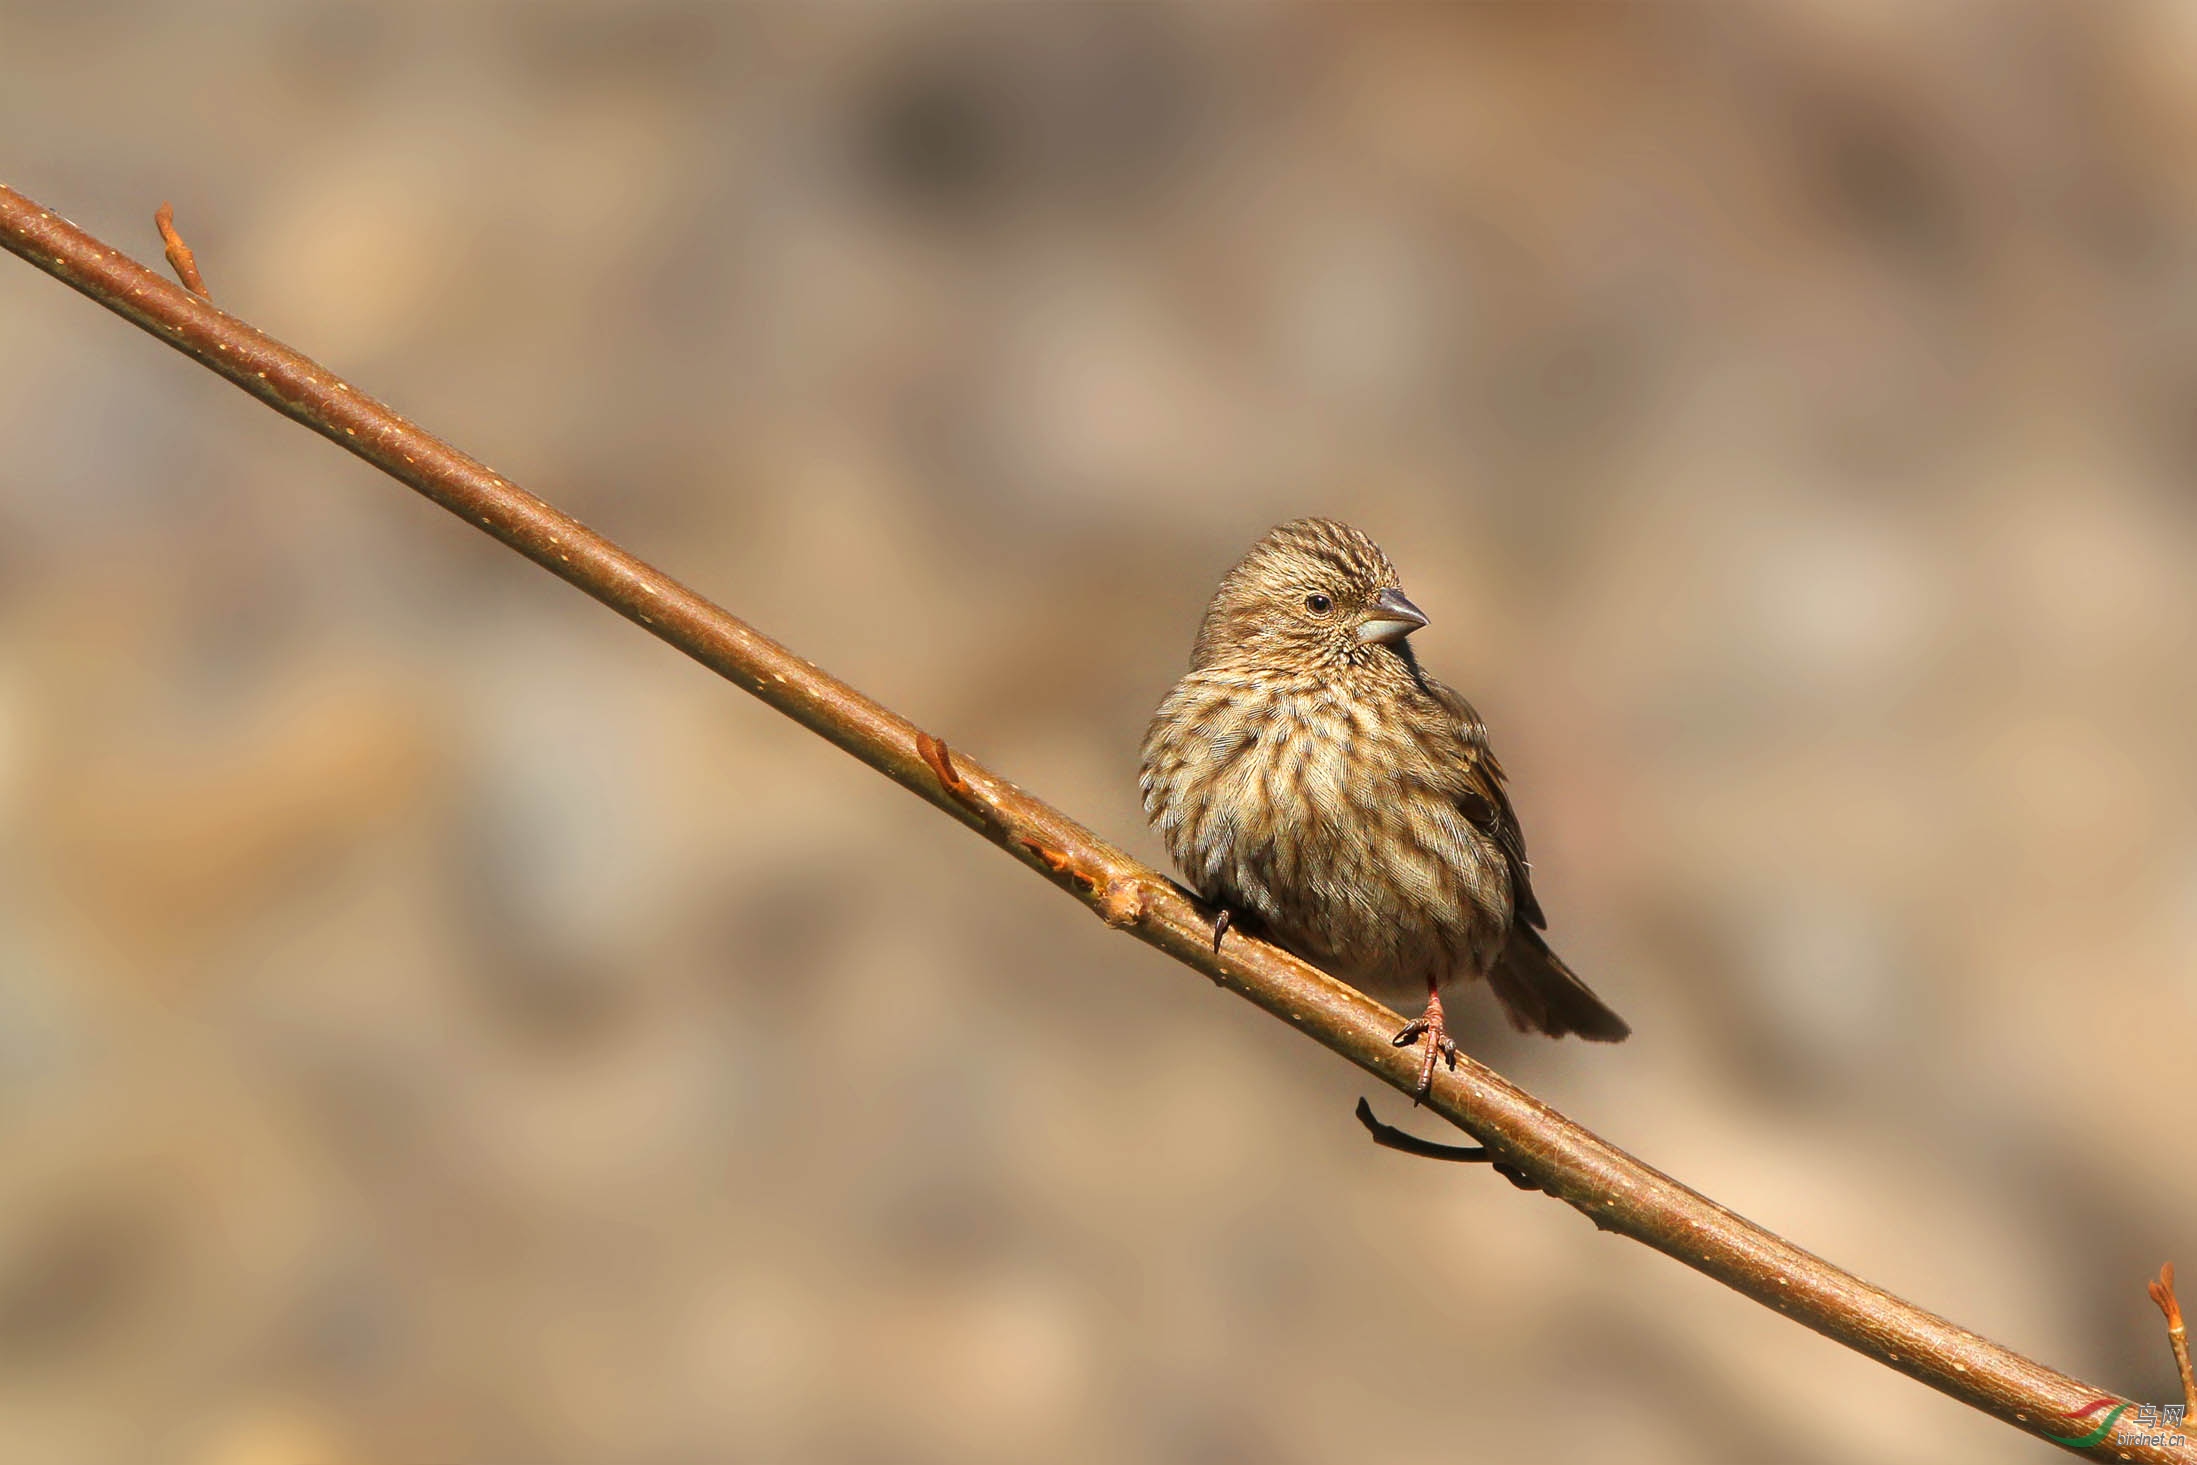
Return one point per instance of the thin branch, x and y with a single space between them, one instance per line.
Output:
1389 1137
1611 1188
2177 1337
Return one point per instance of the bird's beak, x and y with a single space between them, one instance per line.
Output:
1389 619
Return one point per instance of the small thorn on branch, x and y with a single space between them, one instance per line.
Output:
1116 893
2177 1335
1054 860
179 254
1120 899
940 760
1389 1137
1060 862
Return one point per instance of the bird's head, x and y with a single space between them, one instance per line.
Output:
1313 595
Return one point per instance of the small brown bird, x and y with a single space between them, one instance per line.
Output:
1312 782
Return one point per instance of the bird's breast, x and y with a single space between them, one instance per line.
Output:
1324 818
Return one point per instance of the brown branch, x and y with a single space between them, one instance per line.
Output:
2177 1337
1614 1190
180 257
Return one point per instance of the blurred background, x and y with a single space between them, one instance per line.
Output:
439 1024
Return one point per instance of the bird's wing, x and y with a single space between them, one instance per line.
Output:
1481 799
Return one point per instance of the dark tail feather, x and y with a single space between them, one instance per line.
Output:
1542 995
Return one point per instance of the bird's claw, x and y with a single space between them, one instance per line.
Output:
1440 1045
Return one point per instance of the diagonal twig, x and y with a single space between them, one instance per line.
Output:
2177 1336
1614 1190
1389 1137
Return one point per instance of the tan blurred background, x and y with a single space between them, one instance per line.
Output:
438 1024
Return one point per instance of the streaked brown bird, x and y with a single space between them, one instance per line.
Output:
1314 784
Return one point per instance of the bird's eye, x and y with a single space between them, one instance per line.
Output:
1318 604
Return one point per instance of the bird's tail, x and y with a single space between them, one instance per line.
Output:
1542 995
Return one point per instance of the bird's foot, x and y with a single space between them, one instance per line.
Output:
1222 920
1440 1045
